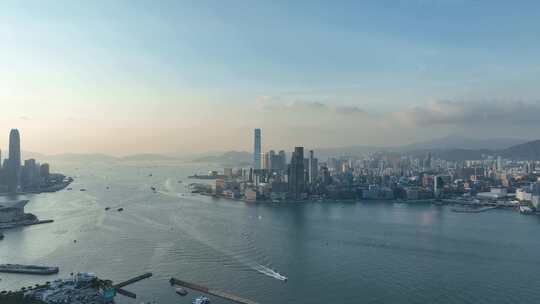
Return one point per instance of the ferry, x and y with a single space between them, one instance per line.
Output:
28 269
201 300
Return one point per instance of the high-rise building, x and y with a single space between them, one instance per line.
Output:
28 176
282 160
272 160
14 162
257 150
297 183
313 167
44 170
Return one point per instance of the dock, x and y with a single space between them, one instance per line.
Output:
133 280
214 292
473 210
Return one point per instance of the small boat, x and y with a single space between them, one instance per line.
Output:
153 189
1 236
120 209
69 189
150 174
179 181
201 300
525 210
107 208
181 291
82 189
108 187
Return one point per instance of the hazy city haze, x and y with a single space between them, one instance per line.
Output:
179 76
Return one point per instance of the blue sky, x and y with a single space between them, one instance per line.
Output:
120 65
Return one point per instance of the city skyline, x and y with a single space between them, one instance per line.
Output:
311 73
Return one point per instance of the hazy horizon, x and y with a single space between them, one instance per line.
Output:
129 77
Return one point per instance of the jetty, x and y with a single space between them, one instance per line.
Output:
28 269
214 292
473 210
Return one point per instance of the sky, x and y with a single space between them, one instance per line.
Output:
125 77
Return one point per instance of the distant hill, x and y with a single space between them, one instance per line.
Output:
453 154
526 151
460 142
81 157
324 153
231 158
29 154
148 157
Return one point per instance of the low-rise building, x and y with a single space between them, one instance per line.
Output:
12 212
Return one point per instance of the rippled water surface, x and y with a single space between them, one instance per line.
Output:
330 252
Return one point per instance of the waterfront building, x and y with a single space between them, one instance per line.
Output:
14 161
30 172
12 212
251 195
44 170
297 184
257 149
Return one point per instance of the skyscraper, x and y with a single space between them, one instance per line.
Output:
14 161
257 150
297 182
282 161
313 167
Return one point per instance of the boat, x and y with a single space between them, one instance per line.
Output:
82 189
153 189
179 181
201 300
525 210
150 174
120 209
107 208
28 269
181 291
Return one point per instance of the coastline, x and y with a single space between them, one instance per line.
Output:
50 189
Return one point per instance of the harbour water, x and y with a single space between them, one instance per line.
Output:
338 252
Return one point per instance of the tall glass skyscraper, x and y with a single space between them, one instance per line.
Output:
257 150
14 161
297 182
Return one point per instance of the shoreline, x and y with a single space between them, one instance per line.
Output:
50 189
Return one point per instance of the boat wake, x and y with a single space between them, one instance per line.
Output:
270 272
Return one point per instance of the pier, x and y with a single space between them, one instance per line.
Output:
28 269
473 210
133 280
214 292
